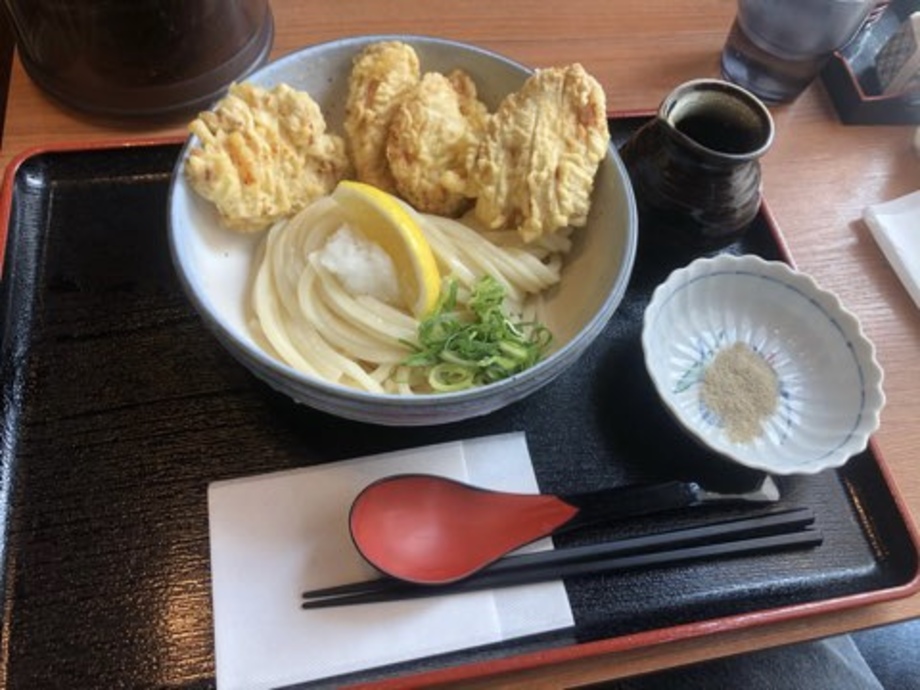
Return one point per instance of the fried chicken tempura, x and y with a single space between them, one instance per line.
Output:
382 74
534 170
264 155
474 110
432 138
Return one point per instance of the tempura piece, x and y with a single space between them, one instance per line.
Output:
432 142
473 109
264 155
535 168
381 76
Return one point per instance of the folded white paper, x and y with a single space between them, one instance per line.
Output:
275 535
895 225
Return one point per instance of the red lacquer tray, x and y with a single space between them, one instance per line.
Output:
119 408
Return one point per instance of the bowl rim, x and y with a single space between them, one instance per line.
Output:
849 326
511 388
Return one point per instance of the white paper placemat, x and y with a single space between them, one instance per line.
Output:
275 535
895 225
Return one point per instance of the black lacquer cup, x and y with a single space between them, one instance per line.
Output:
695 167
143 58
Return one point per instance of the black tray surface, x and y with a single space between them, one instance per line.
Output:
119 408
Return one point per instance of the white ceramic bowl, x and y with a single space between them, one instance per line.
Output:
829 382
213 264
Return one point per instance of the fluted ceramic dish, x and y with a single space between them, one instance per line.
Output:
213 264
829 382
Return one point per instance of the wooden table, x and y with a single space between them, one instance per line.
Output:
818 178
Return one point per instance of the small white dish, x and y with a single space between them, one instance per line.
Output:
828 381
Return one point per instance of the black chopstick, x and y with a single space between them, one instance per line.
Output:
763 523
765 532
395 590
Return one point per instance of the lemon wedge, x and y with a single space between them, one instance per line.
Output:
383 220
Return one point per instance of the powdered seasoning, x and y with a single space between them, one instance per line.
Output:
742 390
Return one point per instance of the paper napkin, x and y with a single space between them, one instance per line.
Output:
896 227
275 535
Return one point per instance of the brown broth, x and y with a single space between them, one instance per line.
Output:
718 133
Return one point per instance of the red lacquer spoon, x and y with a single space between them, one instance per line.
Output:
433 530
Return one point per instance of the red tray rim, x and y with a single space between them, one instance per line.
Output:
577 651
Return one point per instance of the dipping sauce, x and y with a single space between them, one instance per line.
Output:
717 133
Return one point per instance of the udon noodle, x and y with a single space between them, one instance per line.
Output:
305 316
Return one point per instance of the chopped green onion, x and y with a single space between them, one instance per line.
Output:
449 377
461 347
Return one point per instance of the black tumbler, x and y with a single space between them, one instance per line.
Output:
140 57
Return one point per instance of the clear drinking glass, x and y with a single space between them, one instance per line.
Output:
776 48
